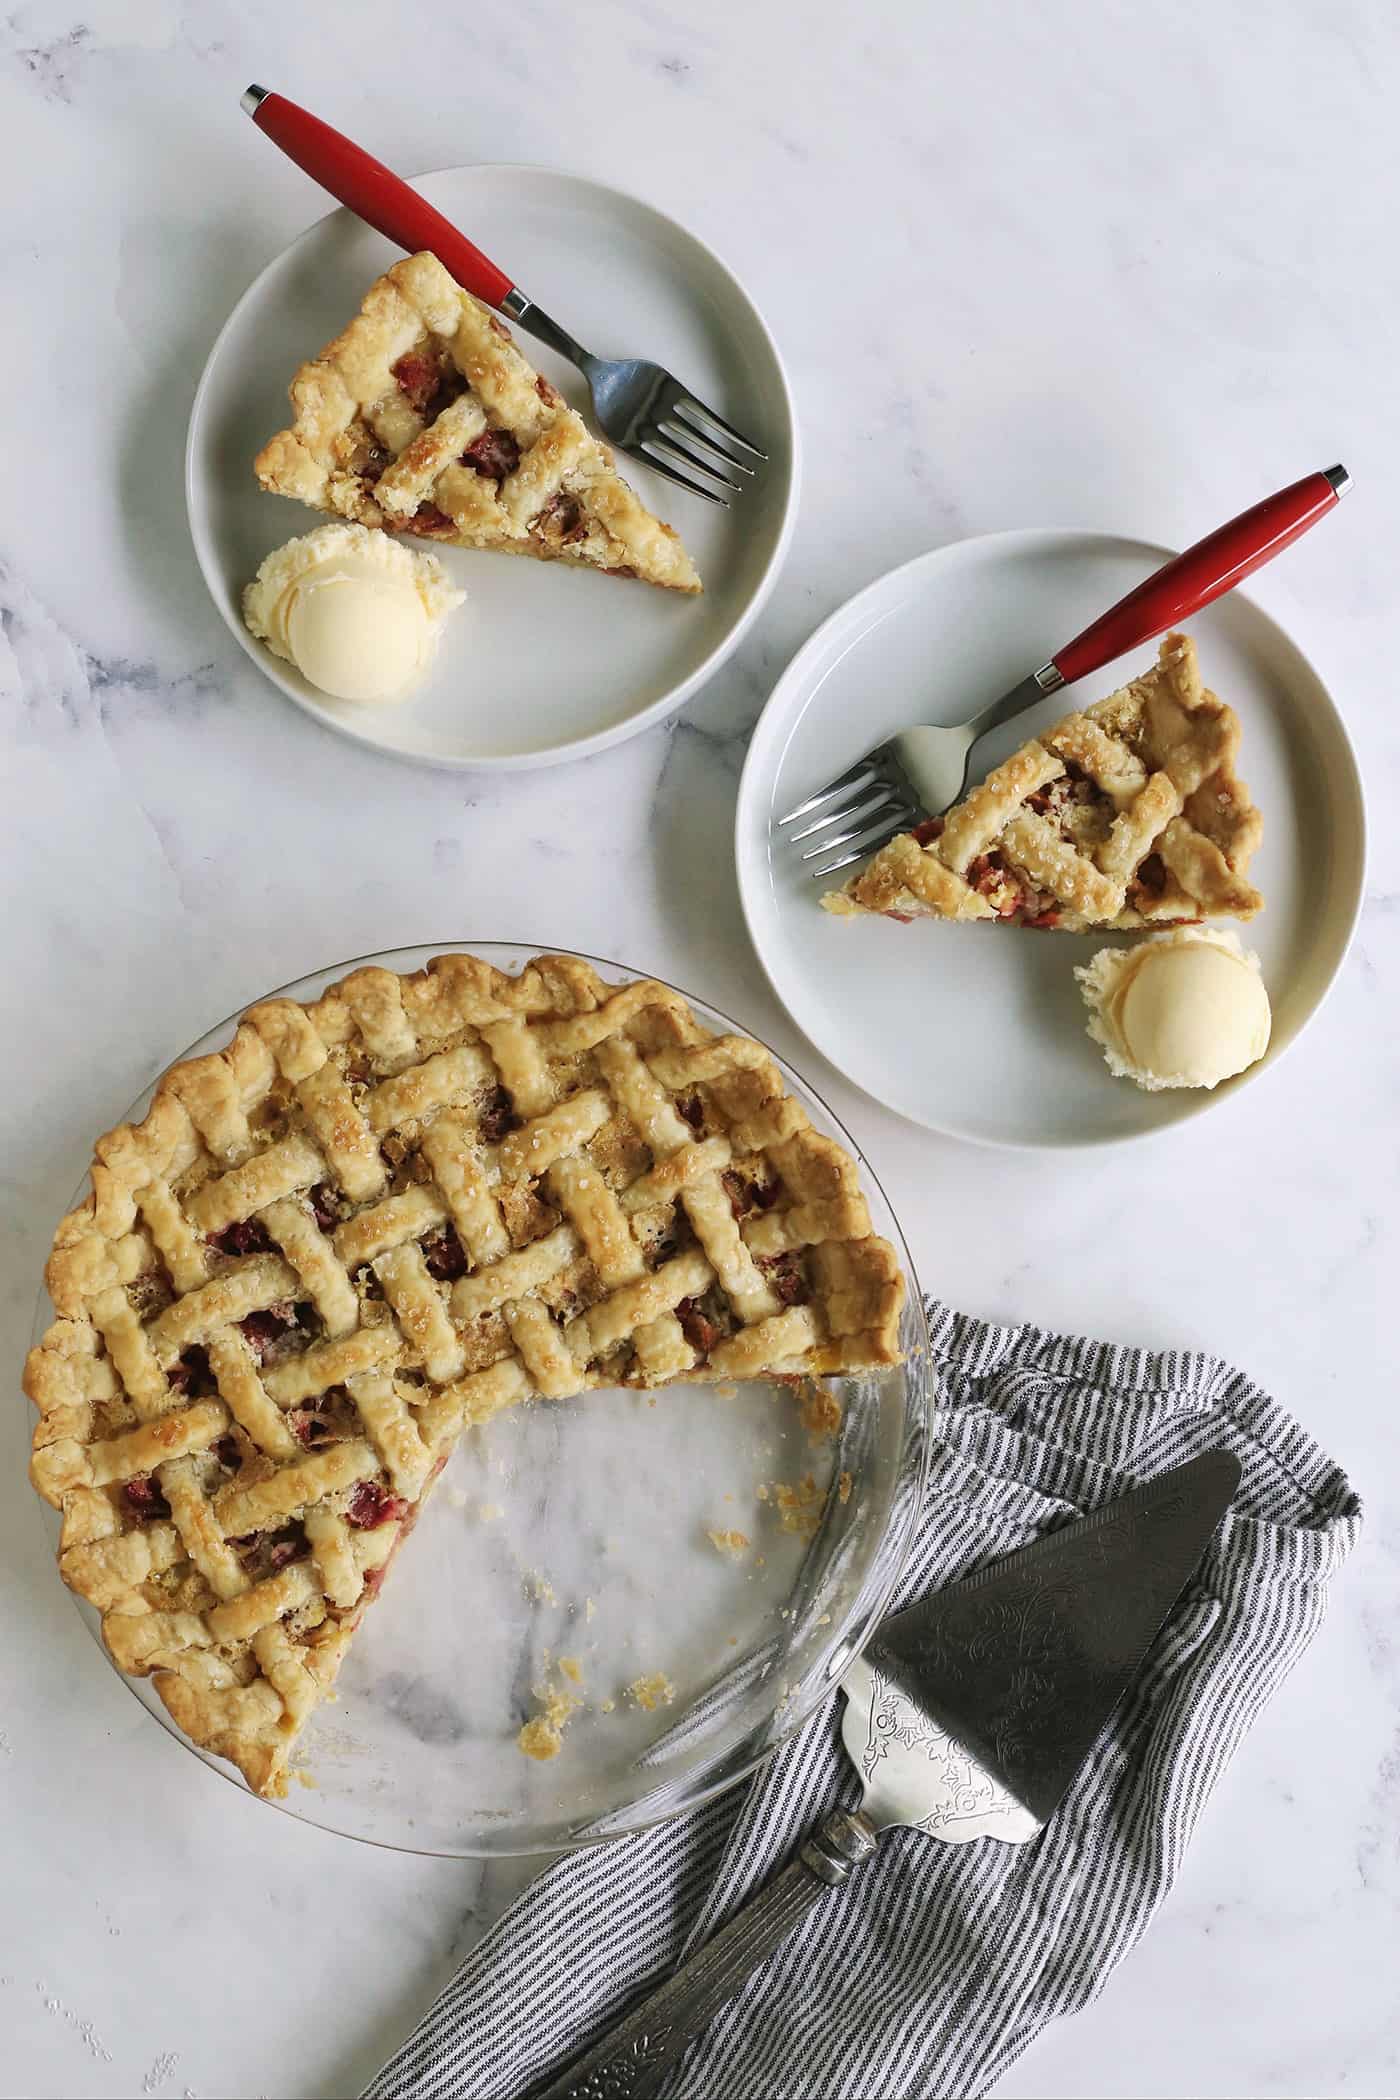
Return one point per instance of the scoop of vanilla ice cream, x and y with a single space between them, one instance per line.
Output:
1184 1009
356 612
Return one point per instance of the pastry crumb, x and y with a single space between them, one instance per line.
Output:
820 1411
650 1692
569 1667
589 1607
488 1512
303 1777
541 1588
454 1497
726 1392
843 1487
543 1736
605 1706
733 1545
798 1503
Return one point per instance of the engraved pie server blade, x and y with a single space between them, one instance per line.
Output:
967 1717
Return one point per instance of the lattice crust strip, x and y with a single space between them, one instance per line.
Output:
1129 814
423 416
369 1223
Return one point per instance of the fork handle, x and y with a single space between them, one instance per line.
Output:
374 193
1204 572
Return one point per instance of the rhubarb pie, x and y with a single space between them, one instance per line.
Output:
1129 814
369 1224
424 417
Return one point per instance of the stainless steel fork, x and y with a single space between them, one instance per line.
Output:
913 777
640 407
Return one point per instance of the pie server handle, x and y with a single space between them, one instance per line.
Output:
634 2056
1207 570
373 192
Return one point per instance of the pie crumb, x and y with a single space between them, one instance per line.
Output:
303 1777
605 1706
455 1498
569 1667
819 1409
543 1737
798 1503
589 1607
489 1511
650 1692
733 1545
843 1487
541 1588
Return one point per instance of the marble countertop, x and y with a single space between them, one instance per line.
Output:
1120 268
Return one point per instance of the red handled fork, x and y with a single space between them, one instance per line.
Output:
641 407
921 772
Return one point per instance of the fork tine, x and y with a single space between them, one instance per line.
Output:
698 408
683 481
887 823
862 848
848 813
854 776
670 438
691 431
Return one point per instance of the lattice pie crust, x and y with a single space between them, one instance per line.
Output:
369 1223
1129 814
424 417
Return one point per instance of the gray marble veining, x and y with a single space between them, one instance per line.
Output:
1144 267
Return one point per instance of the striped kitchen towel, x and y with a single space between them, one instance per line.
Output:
934 1967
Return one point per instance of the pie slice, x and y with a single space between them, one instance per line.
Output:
369 1224
1129 814
423 417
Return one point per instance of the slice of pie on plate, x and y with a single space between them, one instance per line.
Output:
1129 814
424 417
369 1224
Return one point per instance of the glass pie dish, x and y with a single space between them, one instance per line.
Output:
678 1576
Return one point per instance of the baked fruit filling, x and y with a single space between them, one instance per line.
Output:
370 1225
1129 814
458 439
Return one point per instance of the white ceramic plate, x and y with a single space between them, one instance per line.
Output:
977 1030
543 662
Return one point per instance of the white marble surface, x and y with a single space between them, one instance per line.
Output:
1120 267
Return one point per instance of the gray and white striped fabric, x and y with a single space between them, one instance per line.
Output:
933 1969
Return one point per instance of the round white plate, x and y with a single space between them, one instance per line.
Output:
543 662
978 1031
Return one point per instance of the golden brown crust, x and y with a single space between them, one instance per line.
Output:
1159 760
360 449
369 1222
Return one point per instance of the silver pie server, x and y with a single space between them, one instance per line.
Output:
967 1717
